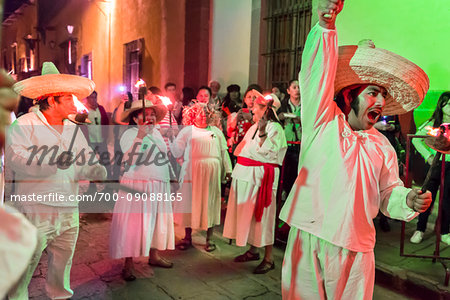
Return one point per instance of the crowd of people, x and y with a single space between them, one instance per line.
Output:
341 170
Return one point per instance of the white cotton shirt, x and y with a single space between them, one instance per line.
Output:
345 176
272 151
32 129
152 146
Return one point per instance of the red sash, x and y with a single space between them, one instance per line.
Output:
264 198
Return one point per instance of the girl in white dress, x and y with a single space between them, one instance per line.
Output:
251 210
206 163
142 221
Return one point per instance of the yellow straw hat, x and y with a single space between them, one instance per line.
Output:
51 82
405 82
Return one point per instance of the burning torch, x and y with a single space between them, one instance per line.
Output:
140 84
81 117
439 140
168 103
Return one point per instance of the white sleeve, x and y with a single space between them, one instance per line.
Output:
178 146
392 192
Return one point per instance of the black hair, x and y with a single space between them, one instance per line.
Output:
188 95
252 86
24 105
43 103
354 101
169 84
204 87
291 81
93 94
437 116
231 88
155 90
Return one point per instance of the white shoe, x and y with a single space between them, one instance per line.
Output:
417 237
445 238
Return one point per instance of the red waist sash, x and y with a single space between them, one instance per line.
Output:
264 198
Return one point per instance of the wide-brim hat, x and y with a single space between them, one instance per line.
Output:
405 82
52 83
264 100
160 110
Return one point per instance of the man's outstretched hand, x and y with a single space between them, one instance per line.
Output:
328 10
418 201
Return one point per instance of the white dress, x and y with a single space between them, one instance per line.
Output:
240 222
206 161
140 221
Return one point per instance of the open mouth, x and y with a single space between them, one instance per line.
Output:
374 115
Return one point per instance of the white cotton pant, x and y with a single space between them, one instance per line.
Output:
316 269
57 233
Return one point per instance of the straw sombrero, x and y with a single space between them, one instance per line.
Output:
160 109
405 82
51 82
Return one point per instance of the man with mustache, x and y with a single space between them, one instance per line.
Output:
347 169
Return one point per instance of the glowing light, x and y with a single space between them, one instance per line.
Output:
432 131
165 100
70 29
70 52
79 106
140 83
268 97
121 88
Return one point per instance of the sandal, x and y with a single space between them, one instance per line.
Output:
161 262
264 267
185 244
127 275
210 246
247 256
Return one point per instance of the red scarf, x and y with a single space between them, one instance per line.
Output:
264 198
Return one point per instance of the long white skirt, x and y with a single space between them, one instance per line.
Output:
240 222
138 226
200 207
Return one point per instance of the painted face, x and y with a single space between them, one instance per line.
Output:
371 102
258 112
249 100
150 117
65 106
200 120
294 90
203 96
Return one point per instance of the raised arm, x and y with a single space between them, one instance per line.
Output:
318 71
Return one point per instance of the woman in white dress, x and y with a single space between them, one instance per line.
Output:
251 210
206 163
142 221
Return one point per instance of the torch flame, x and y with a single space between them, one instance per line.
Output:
165 100
79 106
139 83
432 131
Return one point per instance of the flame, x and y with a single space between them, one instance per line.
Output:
139 83
432 131
165 100
79 106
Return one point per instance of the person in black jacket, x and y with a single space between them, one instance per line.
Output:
289 115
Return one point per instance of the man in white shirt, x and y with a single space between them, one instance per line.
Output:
347 169
49 158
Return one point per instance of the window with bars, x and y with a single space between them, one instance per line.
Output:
133 52
288 25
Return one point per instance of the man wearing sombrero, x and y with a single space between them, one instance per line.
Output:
347 169
46 184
